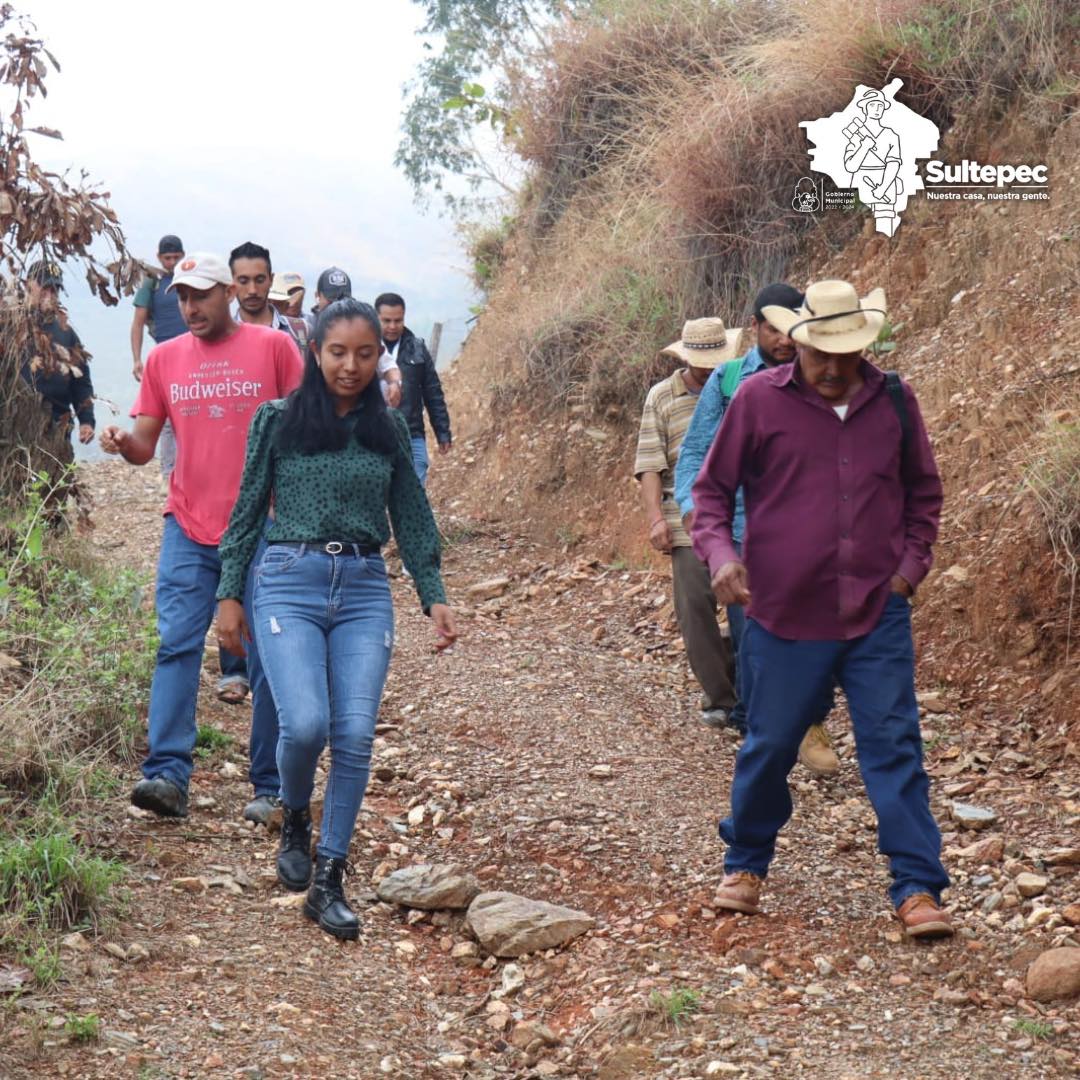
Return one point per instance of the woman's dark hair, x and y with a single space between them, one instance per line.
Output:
310 423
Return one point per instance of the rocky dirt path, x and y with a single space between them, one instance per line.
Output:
556 753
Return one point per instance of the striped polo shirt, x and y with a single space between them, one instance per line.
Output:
664 420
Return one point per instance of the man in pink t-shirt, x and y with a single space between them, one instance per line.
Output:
208 384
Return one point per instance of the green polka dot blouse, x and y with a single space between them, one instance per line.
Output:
333 495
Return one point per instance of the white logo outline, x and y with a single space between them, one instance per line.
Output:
873 145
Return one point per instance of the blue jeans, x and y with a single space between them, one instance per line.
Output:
325 627
420 458
744 678
187 580
877 673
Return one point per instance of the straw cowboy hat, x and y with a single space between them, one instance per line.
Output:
705 343
832 318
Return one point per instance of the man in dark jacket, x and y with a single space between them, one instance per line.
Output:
62 377
420 382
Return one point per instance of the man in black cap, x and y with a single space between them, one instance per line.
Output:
334 284
55 363
157 310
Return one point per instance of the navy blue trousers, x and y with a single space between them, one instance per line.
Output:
789 679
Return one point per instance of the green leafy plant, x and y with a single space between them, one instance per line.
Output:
48 880
209 740
678 1006
884 343
85 648
83 1028
1035 1029
43 960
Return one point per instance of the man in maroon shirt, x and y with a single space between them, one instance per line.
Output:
843 500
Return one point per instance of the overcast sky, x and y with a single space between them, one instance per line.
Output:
273 122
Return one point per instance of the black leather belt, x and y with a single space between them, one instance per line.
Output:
329 547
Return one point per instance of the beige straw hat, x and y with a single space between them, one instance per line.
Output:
832 317
705 343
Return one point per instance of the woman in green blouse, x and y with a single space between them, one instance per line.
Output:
334 460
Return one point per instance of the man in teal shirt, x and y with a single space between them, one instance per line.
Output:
770 349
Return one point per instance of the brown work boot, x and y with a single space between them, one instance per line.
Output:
739 892
816 752
921 917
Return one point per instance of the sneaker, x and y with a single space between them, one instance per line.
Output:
162 796
816 752
921 917
739 892
261 809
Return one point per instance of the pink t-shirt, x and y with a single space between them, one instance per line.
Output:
210 390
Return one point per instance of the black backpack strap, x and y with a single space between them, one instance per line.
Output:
895 389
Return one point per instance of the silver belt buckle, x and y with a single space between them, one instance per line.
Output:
334 548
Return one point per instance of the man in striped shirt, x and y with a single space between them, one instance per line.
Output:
670 404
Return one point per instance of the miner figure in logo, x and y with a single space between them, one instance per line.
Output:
873 157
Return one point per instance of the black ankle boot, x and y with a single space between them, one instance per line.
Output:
294 852
325 902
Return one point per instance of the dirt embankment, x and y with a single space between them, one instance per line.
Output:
985 296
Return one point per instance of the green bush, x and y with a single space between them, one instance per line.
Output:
76 654
209 740
83 1028
48 880
678 1006
79 652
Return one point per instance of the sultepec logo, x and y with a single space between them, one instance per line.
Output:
871 146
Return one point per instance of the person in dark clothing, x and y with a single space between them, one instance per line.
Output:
62 377
157 310
420 386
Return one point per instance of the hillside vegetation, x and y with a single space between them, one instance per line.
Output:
663 145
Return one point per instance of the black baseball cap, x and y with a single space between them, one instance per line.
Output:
170 245
779 294
334 284
46 272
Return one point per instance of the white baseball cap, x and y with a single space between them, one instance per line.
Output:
202 270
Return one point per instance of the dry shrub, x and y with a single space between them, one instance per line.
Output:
1052 474
594 97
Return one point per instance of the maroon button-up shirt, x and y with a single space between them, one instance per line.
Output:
831 510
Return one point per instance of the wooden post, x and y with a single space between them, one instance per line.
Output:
433 347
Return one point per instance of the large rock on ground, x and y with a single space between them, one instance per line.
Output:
973 817
428 887
1055 975
509 925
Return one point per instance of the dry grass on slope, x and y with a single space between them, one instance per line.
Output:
664 144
